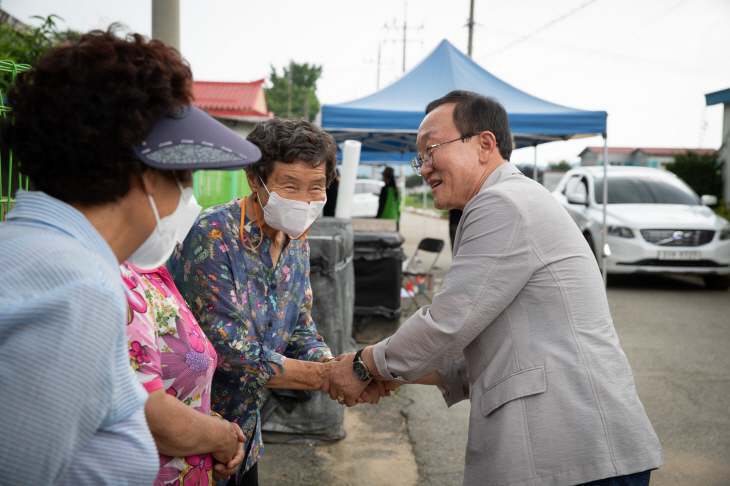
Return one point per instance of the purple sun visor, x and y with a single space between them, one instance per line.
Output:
194 140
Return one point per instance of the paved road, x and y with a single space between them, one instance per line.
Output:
675 333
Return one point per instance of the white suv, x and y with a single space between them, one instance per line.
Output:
656 223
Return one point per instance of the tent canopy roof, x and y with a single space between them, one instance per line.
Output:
387 121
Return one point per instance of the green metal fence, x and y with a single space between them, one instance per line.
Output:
10 177
213 187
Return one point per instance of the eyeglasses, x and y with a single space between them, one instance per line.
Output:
425 155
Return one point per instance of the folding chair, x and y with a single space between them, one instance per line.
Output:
415 275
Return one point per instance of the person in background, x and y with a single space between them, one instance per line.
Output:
332 189
389 202
244 272
107 192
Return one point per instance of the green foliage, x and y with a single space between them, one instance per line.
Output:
722 209
562 165
416 200
28 45
303 90
414 180
703 173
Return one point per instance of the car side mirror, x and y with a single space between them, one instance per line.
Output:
576 198
709 200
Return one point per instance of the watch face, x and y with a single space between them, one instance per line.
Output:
361 371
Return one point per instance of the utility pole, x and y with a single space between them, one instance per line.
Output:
377 85
405 33
471 27
288 94
405 16
166 22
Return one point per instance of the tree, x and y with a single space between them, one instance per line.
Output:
562 165
28 45
414 181
301 100
703 173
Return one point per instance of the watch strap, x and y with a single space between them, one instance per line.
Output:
358 358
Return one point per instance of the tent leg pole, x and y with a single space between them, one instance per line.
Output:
534 167
605 201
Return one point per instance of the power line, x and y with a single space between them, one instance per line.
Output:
539 29
601 51
638 29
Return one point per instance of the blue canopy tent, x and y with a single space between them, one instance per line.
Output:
386 122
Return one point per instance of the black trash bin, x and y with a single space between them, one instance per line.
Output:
292 416
378 259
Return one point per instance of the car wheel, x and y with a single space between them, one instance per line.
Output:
589 240
717 282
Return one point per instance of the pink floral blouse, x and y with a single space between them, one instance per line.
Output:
168 350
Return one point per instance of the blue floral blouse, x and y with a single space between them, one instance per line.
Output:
253 312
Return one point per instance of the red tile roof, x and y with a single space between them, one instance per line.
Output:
611 150
676 151
231 100
650 151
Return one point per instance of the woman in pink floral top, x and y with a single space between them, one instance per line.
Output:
175 361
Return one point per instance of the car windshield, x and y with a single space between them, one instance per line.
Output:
634 190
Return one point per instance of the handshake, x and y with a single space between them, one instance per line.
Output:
353 378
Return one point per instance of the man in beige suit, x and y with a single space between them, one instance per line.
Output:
521 326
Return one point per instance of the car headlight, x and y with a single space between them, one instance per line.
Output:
621 231
725 232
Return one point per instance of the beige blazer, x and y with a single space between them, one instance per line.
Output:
522 329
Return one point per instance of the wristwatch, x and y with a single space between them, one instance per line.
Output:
360 368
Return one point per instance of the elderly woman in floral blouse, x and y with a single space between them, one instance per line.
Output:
244 271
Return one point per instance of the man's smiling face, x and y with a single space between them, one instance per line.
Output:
455 169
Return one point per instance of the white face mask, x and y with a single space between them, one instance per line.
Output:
168 232
291 217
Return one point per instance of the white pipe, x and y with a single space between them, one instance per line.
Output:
604 229
534 167
350 161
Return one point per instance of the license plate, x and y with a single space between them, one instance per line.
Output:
680 255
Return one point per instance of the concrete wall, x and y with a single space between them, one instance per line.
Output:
242 128
658 161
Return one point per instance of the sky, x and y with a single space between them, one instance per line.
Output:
648 63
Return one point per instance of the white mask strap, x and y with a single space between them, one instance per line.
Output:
154 210
267 189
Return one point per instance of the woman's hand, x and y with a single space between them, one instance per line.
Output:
221 470
229 450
